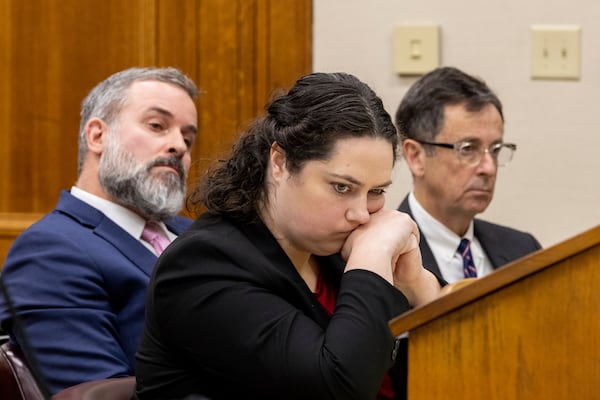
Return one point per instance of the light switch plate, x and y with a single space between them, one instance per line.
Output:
416 49
555 52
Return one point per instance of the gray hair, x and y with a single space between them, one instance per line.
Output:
107 99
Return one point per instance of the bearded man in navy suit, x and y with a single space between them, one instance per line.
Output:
78 276
452 129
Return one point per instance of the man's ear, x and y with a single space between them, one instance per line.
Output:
277 158
414 154
96 132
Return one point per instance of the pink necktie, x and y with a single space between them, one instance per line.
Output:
154 235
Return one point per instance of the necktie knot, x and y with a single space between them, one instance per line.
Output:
154 235
464 248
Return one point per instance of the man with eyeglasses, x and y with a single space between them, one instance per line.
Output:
452 128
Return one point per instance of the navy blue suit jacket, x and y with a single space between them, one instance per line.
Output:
79 283
500 243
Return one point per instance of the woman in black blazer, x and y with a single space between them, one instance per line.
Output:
284 288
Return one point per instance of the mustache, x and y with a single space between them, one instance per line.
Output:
171 161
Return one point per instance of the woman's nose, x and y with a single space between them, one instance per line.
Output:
358 212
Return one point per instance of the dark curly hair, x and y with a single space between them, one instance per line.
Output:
306 123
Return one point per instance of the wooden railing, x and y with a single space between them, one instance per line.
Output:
527 331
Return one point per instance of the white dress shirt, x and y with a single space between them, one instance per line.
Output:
444 244
129 221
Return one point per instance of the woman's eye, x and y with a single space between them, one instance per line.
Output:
341 188
378 191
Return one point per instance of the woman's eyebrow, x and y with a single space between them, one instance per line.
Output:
357 182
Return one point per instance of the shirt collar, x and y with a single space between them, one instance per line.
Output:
129 221
437 234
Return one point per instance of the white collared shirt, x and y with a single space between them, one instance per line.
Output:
444 244
129 221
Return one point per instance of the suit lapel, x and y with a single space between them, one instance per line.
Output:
490 244
426 253
104 227
128 246
178 224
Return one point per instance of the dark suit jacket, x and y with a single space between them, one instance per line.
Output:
79 282
228 316
501 244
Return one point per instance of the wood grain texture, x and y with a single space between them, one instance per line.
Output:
54 51
528 331
11 224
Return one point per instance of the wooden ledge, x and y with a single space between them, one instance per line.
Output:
467 292
11 224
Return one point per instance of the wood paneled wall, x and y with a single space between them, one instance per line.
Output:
11 224
53 52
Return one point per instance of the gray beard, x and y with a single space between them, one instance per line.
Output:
131 183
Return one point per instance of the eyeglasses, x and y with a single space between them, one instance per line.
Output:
471 152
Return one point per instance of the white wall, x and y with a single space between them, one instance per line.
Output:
552 187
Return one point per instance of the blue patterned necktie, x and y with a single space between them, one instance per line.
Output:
464 248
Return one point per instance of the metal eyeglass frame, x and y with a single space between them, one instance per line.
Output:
458 146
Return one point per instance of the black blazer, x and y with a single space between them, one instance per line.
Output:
500 243
229 317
